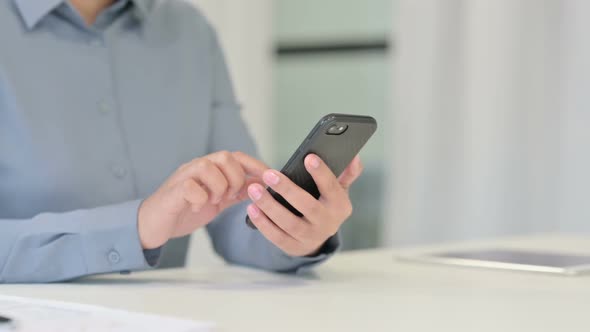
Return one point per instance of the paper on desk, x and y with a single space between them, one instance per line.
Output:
31 315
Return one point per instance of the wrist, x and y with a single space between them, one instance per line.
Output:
149 236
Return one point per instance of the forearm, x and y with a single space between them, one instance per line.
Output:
61 246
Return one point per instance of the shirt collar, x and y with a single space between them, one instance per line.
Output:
33 11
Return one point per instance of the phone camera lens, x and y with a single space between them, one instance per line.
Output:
337 129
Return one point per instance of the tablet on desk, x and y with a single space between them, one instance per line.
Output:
511 259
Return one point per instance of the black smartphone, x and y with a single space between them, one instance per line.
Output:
337 139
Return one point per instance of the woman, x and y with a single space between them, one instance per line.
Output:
100 102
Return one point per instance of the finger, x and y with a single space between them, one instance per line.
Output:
271 231
300 199
183 194
327 183
243 194
351 173
194 194
251 165
232 170
296 227
207 173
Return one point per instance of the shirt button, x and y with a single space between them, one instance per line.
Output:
114 257
103 107
119 172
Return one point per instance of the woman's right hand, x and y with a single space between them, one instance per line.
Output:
195 194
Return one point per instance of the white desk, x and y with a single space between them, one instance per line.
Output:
360 291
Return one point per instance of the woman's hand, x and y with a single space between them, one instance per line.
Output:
303 236
195 194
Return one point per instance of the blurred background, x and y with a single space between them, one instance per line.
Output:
483 106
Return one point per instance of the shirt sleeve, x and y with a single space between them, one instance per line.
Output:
231 237
54 247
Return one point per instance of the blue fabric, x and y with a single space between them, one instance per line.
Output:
93 119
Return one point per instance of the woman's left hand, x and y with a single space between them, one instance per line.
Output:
303 236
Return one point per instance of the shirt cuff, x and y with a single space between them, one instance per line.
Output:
329 247
152 256
111 243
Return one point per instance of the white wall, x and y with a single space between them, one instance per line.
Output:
490 122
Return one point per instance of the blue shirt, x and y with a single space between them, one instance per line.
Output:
93 120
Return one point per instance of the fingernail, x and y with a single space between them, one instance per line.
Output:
313 162
270 178
253 211
255 192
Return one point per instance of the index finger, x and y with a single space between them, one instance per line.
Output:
251 165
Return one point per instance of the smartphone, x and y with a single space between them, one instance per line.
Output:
336 139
